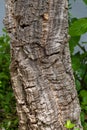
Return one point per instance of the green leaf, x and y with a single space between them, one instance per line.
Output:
78 27
82 116
9 124
83 95
85 126
76 129
76 62
73 42
69 125
78 85
85 108
85 1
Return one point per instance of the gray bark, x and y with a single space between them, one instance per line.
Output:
41 73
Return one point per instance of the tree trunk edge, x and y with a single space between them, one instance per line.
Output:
58 57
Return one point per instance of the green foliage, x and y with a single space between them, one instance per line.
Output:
69 124
78 27
76 129
85 1
79 62
73 42
83 95
8 117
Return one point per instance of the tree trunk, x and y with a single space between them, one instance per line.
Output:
41 74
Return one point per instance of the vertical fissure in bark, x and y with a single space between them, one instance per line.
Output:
41 73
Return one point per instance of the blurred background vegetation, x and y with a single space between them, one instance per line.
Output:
8 114
78 50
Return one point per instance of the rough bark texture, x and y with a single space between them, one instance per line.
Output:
41 73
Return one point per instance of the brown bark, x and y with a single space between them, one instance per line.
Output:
41 73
